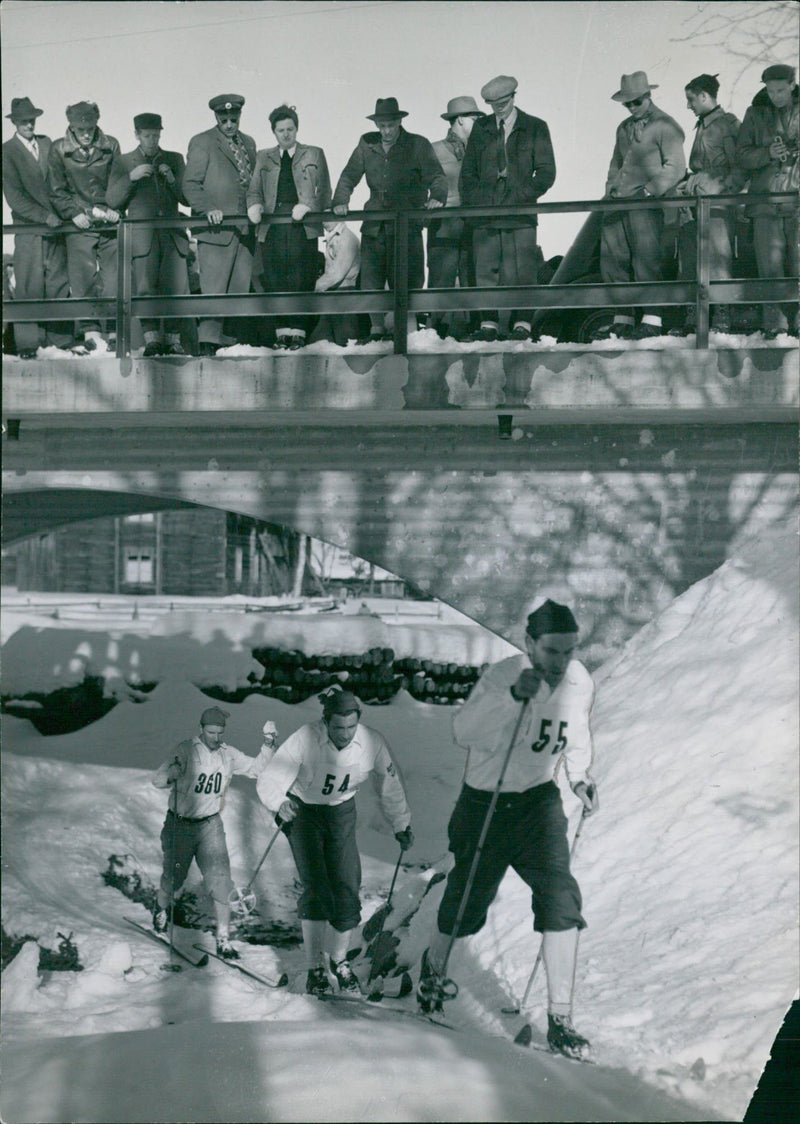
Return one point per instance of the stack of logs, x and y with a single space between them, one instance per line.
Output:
375 676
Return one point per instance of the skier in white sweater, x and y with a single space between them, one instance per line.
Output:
310 783
528 830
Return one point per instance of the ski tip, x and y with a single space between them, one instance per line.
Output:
406 985
283 981
201 963
524 1037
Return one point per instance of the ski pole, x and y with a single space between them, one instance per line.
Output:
262 860
532 977
380 915
481 840
173 966
243 901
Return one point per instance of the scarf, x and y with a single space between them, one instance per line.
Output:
458 146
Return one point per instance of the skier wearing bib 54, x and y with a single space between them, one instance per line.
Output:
310 783
523 715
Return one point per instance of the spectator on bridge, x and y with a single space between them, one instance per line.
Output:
647 162
342 267
79 169
219 167
450 256
402 173
508 159
146 183
289 179
40 260
311 783
712 171
524 714
767 151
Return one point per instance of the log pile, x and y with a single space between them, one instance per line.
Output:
375 676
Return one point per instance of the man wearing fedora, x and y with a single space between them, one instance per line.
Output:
647 162
768 151
219 166
402 173
450 256
509 159
40 261
146 183
78 172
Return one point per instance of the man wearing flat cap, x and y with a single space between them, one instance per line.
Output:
509 159
40 261
219 167
146 184
198 775
450 257
523 716
647 162
767 151
311 784
78 172
402 173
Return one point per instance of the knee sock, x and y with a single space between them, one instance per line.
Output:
314 942
336 943
437 950
560 952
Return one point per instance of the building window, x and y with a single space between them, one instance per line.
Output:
147 517
138 567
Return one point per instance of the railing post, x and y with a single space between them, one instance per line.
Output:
703 271
401 283
124 286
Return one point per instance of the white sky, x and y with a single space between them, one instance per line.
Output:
333 58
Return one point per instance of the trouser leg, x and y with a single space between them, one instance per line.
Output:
177 846
519 266
107 269
374 268
82 270
59 333
173 279
443 263
645 229
615 259
488 256
29 277
223 269
146 269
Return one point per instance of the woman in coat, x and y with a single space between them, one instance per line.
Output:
289 179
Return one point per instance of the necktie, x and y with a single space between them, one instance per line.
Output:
35 147
242 160
501 149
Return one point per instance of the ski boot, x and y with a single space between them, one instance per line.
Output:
563 1038
317 982
225 949
432 989
345 977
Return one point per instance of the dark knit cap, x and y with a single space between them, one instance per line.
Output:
778 72
705 83
338 701
214 716
147 121
281 114
551 617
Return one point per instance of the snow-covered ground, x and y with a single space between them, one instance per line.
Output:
689 874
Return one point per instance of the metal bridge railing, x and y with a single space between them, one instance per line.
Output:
400 299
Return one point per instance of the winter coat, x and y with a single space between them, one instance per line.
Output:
450 155
763 122
211 182
25 181
401 179
530 166
151 198
342 259
654 162
310 174
78 181
712 161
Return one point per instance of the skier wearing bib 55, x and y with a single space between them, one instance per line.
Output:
523 715
310 783
199 774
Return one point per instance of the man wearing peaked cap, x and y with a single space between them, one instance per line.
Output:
219 166
147 184
40 262
523 716
402 173
450 257
78 174
310 784
767 151
509 159
647 162
198 775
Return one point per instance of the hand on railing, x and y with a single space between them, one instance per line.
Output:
82 221
433 205
340 209
105 214
215 217
299 211
255 212
53 220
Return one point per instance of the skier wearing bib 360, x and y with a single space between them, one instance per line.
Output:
200 772
310 783
542 702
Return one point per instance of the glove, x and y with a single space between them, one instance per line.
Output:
254 213
405 838
286 813
340 209
587 794
174 771
82 221
299 211
527 685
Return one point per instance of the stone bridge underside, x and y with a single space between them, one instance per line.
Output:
622 480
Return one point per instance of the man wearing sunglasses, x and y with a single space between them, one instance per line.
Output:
648 161
219 166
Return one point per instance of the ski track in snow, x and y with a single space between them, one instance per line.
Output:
689 876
